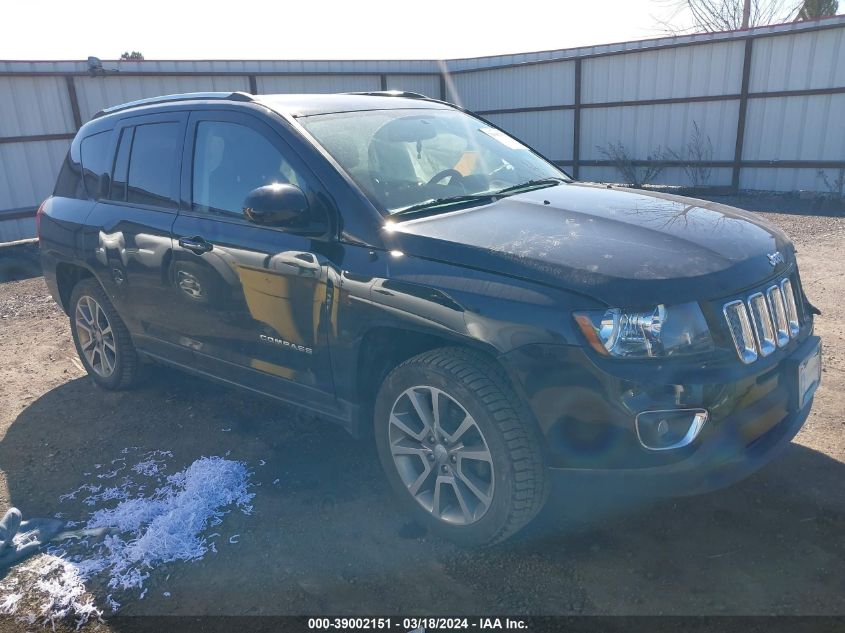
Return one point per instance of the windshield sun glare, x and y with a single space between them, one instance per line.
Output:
413 159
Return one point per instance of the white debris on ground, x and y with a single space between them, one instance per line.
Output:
9 603
50 589
162 526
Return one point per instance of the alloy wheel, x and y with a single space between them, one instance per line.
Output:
441 455
95 335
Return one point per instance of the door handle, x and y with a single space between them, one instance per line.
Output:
305 264
196 244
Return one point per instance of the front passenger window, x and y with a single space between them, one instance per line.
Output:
230 160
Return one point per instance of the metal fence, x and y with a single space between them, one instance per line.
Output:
769 101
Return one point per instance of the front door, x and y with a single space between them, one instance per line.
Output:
252 300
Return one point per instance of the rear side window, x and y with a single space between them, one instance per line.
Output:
230 160
96 160
153 170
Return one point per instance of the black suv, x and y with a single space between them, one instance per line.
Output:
412 271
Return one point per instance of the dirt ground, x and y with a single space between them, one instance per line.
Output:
327 537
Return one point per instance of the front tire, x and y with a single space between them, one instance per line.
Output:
101 338
459 448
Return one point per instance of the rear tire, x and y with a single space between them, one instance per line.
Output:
474 473
101 338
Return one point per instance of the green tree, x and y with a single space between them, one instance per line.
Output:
134 56
813 9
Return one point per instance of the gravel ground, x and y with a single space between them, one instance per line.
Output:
326 537
802 220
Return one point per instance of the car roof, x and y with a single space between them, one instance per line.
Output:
296 105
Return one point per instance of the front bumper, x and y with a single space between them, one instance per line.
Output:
720 462
586 412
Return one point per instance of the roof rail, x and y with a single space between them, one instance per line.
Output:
187 96
390 93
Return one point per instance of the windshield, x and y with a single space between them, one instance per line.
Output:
407 158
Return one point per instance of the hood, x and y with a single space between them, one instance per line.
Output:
620 246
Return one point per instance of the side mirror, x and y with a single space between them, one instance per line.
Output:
275 205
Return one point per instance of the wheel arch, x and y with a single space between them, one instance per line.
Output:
384 348
67 276
516 448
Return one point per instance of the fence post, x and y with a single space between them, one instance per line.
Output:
576 121
74 102
743 109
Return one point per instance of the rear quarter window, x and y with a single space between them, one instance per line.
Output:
69 183
96 161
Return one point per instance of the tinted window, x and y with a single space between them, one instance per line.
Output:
96 160
69 183
230 160
404 157
153 168
121 165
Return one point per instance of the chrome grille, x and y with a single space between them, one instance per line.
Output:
775 298
741 331
763 322
791 308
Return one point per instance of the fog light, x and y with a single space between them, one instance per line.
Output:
668 429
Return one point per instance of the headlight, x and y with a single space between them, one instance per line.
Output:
659 332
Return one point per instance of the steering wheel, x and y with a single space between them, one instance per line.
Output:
450 173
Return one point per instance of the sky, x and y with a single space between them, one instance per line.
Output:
320 29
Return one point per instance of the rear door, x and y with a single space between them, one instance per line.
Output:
252 300
129 240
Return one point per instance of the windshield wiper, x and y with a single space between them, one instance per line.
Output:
442 202
531 184
479 197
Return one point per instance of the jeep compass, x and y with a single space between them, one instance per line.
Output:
411 271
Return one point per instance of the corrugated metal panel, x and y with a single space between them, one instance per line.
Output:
550 133
805 127
42 66
796 128
642 129
320 84
719 176
96 93
238 66
528 86
29 172
694 71
400 66
13 230
798 62
497 60
34 105
346 66
428 85
785 179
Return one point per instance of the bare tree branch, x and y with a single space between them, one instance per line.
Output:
710 16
